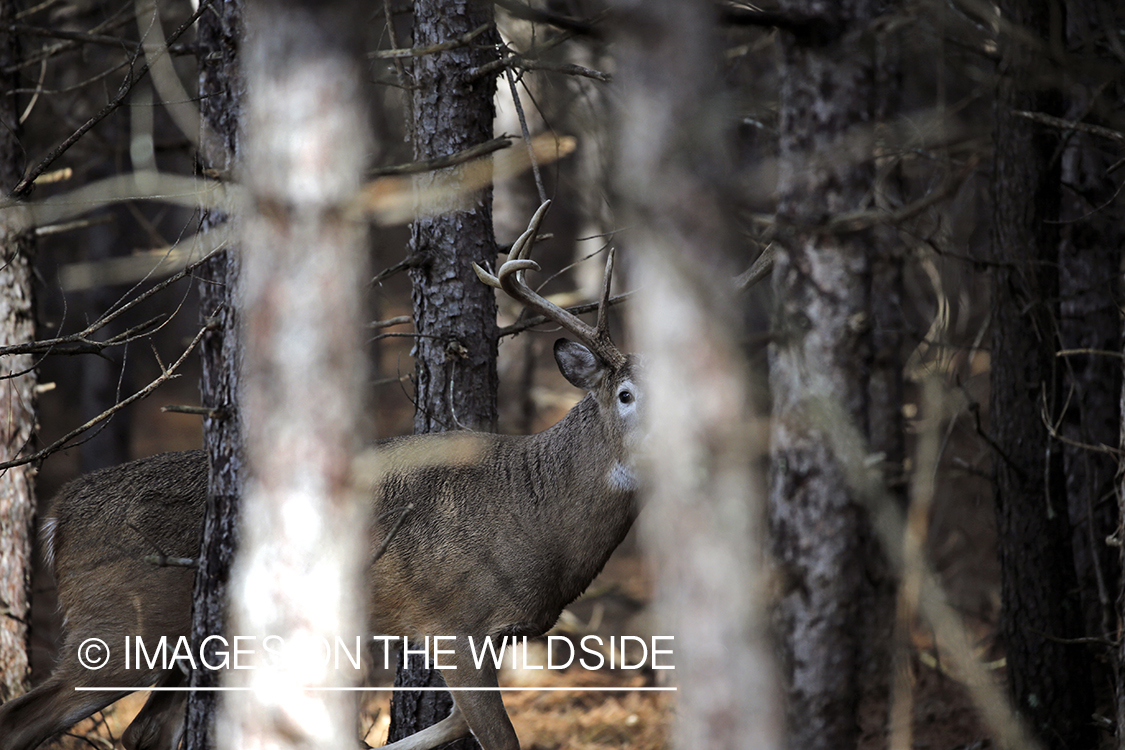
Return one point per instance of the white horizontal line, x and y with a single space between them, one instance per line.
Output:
389 689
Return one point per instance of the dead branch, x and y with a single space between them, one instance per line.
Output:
81 343
166 374
1082 127
461 41
104 40
537 320
24 186
441 162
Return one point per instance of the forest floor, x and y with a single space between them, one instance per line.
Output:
944 716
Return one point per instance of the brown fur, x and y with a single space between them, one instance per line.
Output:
504 533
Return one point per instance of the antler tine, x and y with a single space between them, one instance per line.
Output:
603 304
517 256
510 278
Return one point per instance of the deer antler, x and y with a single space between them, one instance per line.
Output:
510 278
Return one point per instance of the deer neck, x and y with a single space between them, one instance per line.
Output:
589 493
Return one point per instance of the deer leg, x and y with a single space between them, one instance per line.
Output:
482 709
450 728
160 723
480 712
54 706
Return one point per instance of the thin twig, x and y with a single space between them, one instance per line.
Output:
461 41
760 269
395 321
24 185
104 40
1082 127
408 262
526 135
166 375
1097 352
203 411
537 320
82 338
400 71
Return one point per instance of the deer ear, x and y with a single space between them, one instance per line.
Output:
579 365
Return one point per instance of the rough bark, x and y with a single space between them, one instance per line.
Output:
454 314
455 356
17 400
831 341
1049 680
304 544
702 525
221 88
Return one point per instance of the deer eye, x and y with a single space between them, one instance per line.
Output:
625 397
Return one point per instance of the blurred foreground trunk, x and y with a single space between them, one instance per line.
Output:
304 541
702 525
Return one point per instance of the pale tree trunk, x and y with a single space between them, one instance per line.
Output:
702 523
831 342
1049 679
18 381
221 88
454 313
298 574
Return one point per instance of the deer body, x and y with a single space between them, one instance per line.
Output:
495 544
500 533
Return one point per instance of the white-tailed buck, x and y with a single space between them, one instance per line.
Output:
493 546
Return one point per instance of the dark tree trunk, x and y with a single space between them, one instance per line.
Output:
1092 235
222 89
1048 679
455 357
835 337
18 382
454 313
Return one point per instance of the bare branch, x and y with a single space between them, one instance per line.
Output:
1082 127
461 41
538 320
537 15
24 186
82 341
166 375
104 40
441 162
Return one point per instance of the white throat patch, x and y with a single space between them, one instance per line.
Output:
621 477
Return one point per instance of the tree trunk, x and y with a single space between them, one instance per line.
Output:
18 381
454 313
221 89
1049 680
702 525
1092 235
305 535
833 342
